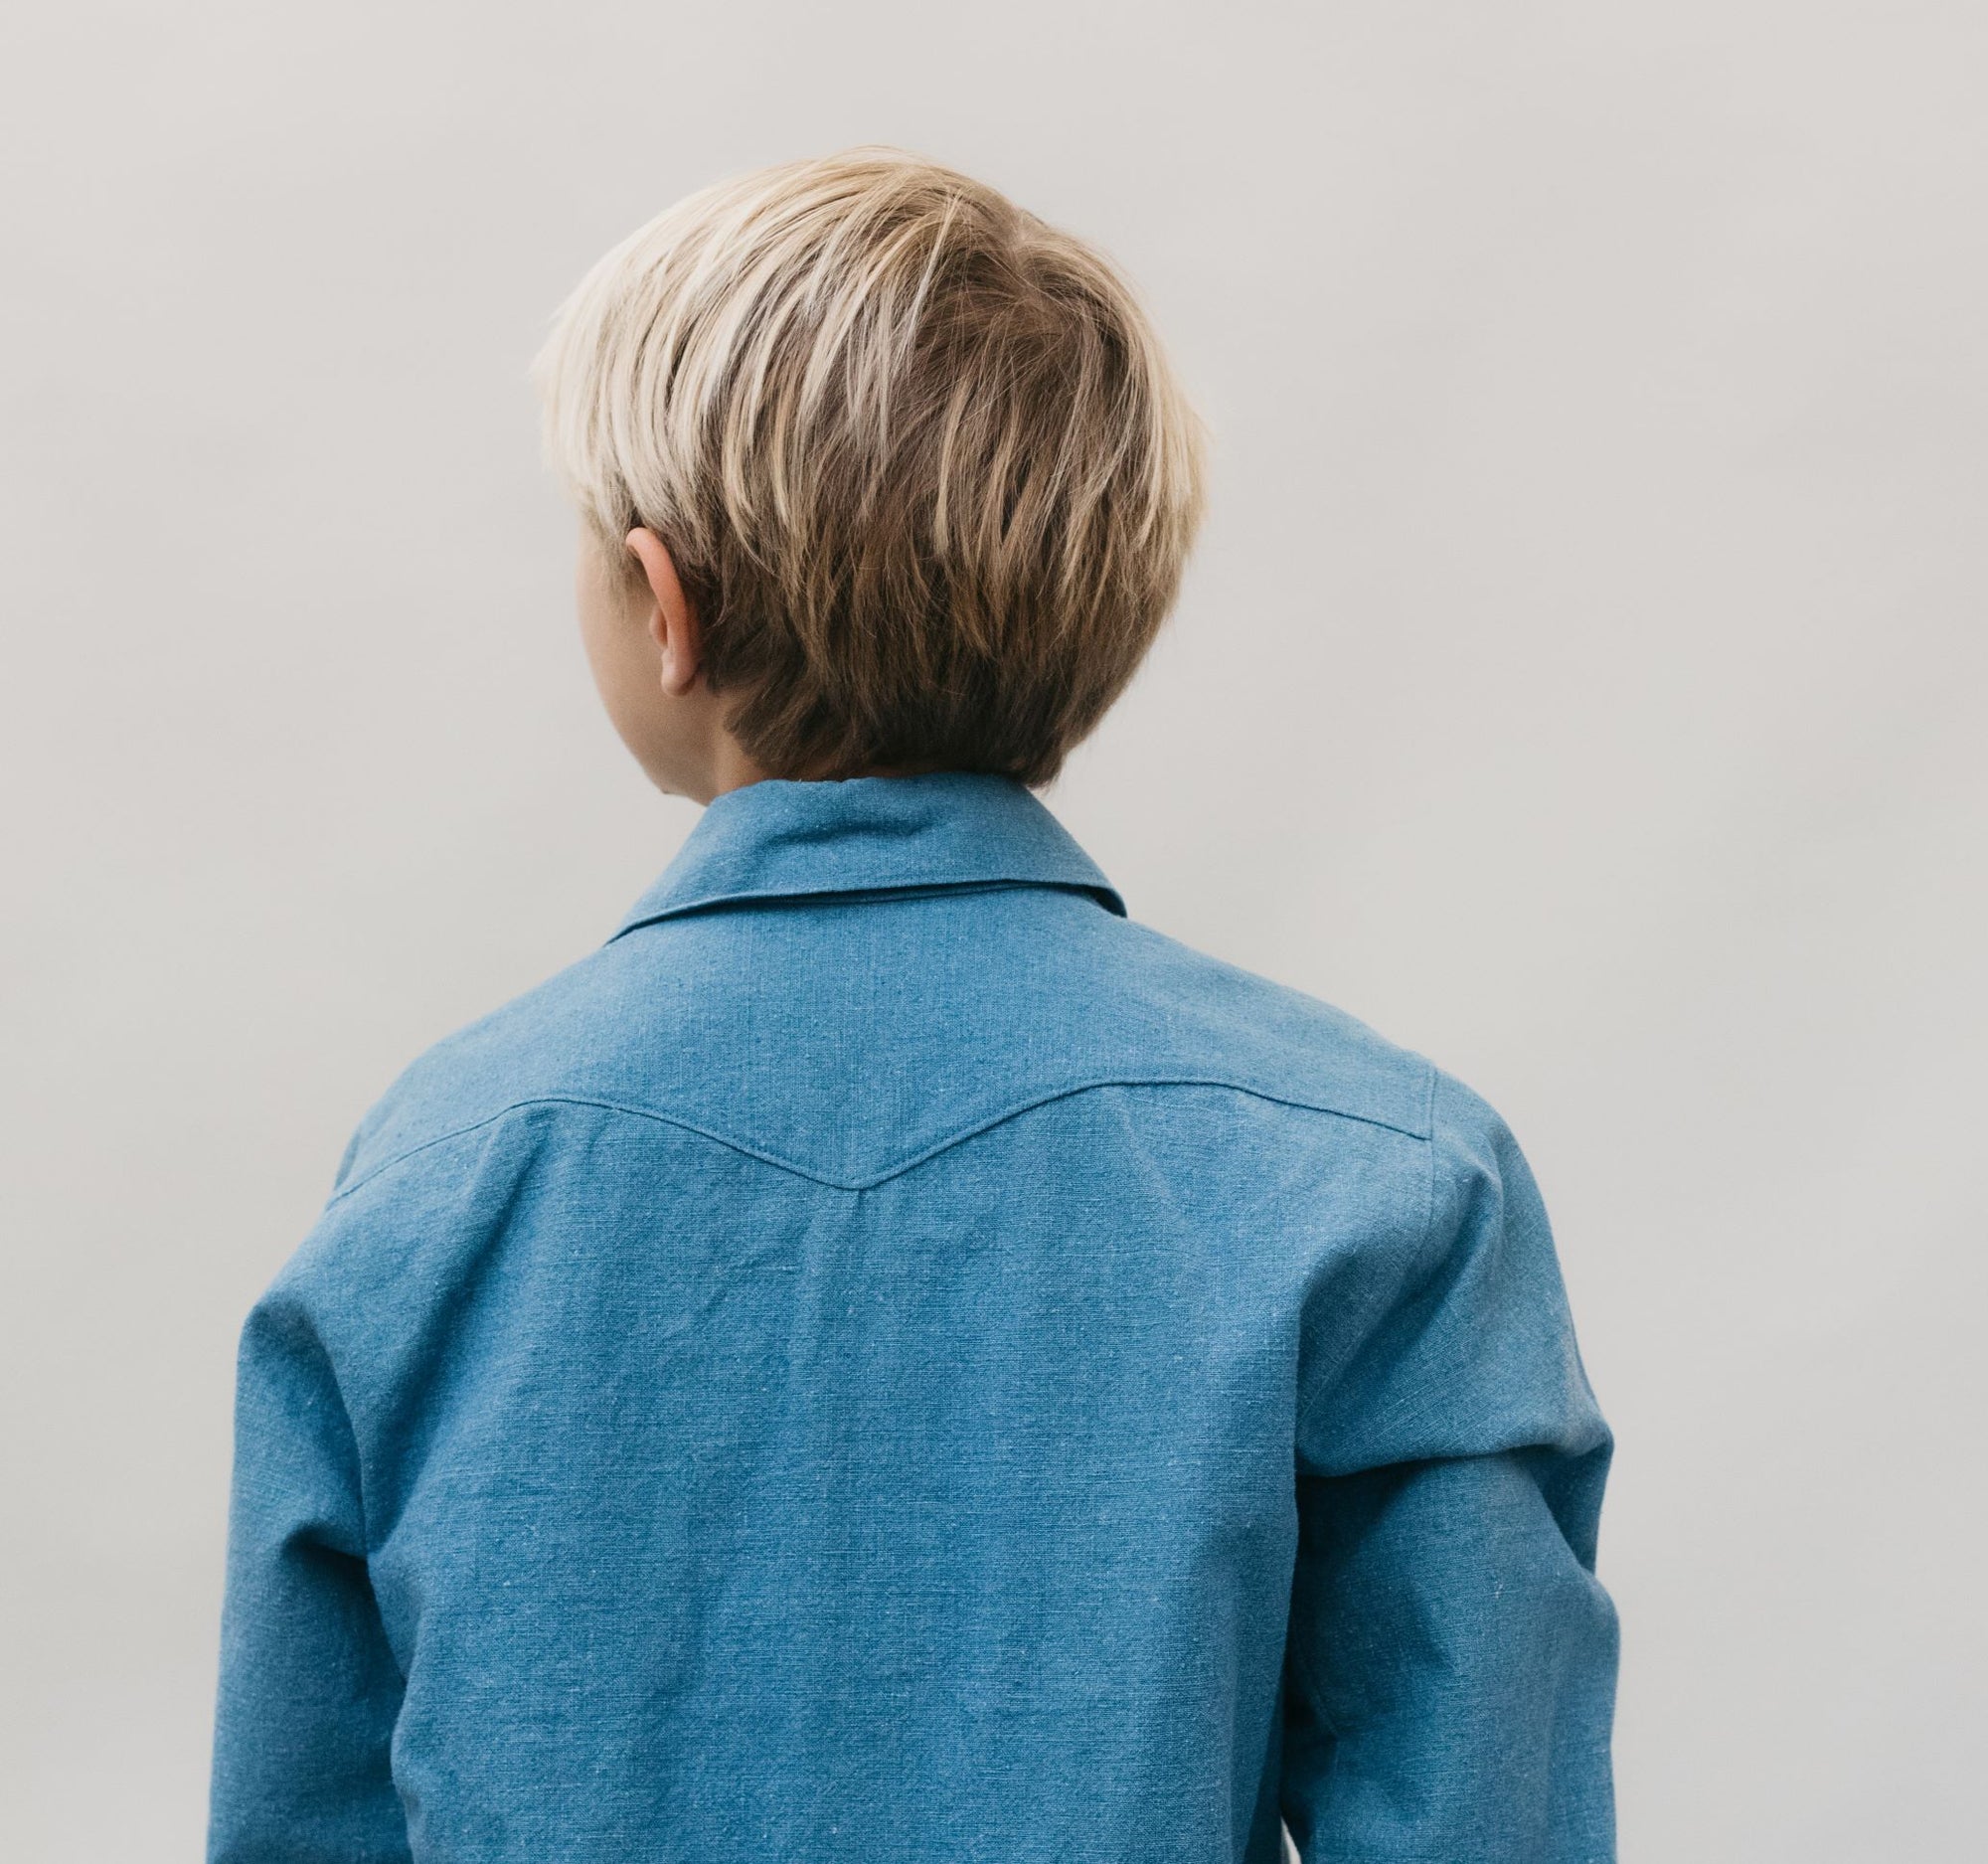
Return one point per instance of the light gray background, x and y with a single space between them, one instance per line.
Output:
1581 679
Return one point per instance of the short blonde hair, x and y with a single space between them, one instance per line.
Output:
923 469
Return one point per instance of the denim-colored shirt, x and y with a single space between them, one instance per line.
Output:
891 1359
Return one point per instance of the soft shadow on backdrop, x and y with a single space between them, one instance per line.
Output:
1582 680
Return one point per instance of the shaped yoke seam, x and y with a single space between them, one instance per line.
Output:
894 1171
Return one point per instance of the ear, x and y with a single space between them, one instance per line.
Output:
673 624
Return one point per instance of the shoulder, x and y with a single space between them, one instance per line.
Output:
515 1059
1274 1038
451 1196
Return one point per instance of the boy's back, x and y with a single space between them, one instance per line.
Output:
889 1359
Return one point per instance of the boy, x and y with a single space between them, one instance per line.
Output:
888 1358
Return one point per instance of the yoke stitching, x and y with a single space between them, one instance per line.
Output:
895 1170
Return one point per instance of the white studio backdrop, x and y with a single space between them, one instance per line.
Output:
1582 679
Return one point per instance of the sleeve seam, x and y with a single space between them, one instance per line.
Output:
318 1345
1424 1231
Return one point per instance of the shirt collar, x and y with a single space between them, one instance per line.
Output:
781 840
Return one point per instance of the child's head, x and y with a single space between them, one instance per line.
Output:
908 464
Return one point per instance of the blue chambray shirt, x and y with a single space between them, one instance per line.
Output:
891 1359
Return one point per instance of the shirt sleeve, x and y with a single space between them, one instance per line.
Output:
309 1689
1450 1671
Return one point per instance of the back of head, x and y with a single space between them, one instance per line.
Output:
921 466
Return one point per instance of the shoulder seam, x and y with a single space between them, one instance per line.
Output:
893 1170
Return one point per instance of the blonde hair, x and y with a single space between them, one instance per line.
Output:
923 467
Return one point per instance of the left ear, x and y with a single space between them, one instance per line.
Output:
673 622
